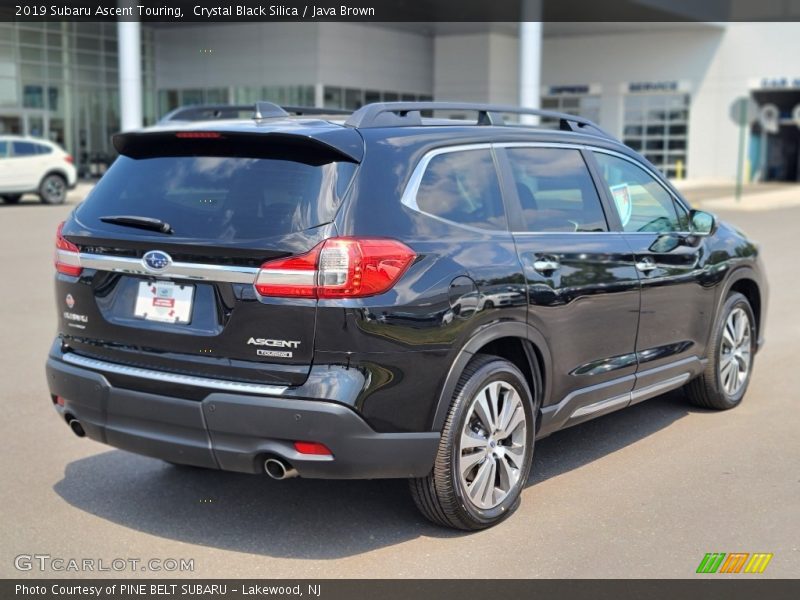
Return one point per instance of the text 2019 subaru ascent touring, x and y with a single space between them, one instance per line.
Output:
389 294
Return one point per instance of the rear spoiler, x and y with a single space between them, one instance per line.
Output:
303 144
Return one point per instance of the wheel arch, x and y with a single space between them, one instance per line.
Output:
745 281
54 171
515 341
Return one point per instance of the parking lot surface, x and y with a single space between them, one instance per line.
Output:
644 492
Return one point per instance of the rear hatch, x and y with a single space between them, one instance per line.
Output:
170 242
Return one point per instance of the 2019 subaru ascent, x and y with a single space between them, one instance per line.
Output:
389 295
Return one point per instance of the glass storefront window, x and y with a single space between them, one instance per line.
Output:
332 97
353 99
31 54
656 125
189 97
29 71
33 96
27 36
217 96
586 106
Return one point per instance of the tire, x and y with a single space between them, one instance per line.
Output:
53 189
11 198
731 347
449 499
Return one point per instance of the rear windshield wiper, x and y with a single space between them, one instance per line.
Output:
140 222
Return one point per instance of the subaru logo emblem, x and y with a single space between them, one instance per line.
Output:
156 260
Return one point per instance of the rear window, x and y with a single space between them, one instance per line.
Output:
462 187
25 148
220 198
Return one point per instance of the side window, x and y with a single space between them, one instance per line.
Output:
463 187
42 149
642 202
556 190
24 148
3 149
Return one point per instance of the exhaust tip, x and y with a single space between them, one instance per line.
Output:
279 469
76 427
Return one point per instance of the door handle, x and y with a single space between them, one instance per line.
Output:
545 265
646 264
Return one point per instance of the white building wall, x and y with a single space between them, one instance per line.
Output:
219 55
719 63
476 67
363 55
461 67
747 53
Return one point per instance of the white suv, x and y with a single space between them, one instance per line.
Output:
36 166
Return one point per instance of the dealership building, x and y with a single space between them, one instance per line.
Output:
674 91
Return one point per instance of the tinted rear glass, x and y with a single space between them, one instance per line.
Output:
25 148
220 198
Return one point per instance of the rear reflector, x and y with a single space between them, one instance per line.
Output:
312 448
337 268
67 257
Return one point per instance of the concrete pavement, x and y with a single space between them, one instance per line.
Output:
645 492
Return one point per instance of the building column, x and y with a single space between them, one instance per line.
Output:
530 55
129 41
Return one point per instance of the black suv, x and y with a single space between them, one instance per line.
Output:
390 295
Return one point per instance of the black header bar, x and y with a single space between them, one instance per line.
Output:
209 11
706 587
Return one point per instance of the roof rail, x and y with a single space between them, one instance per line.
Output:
259 110
399 114
315 110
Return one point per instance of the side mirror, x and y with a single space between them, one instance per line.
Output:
702 223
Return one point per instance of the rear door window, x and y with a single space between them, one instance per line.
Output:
220 198
462 186
24 148
555 190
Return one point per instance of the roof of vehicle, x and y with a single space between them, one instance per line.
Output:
345 132
25 138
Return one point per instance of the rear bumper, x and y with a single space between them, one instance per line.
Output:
236 432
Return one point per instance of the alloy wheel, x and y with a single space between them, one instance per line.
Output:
54 189
492 449
735 352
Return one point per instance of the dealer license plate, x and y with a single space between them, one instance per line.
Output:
164 301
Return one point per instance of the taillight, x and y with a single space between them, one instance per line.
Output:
68 158
68 259
337 268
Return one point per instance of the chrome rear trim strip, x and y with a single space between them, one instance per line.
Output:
177 270
175 378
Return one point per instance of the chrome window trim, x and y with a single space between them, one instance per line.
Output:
176 378
409 197
177 270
